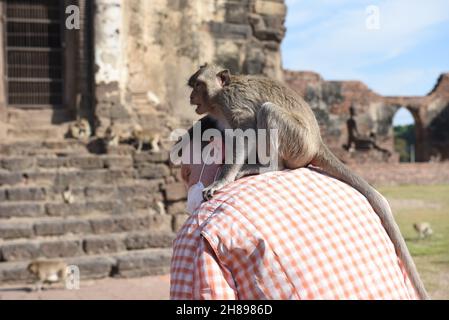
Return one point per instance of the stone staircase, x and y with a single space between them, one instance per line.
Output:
120 220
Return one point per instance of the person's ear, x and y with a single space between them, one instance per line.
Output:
224 77
185 173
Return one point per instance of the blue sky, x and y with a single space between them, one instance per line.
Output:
404 56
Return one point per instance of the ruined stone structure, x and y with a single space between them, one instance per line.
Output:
127 64
331 101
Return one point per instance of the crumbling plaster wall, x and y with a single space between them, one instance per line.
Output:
146 50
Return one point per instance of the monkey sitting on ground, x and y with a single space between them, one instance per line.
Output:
143 136
111 138
255 102
80 130
47 271
423 228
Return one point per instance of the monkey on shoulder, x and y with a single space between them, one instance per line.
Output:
257 102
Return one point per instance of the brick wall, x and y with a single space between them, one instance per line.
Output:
384 174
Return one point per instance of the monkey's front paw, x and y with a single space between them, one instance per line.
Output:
209 191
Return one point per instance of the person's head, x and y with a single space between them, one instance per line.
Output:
199 166
192 172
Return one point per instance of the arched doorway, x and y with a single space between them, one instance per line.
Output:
404 129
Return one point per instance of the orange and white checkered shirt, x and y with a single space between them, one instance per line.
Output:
295 234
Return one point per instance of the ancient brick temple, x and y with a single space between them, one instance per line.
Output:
332 100
110 213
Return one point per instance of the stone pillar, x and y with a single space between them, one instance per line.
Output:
109 69
3 101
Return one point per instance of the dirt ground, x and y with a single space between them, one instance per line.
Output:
147 288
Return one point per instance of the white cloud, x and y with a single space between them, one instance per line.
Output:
334 40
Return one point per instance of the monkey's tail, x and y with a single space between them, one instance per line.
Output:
333 166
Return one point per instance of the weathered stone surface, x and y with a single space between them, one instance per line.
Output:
77 227
39 177
270 8
118 162
116 176
96 192
8 210
176 207
149 262
133 191
77 178
14 272
237 12
175 191
52 162
60 248
145 240
132 223
86 162
65 209
15 230
230 30
17 164
103 244
160 223
19 251
25 194
102 206
101 226
153 171
7 178
178 221
162 156
93 267
49 228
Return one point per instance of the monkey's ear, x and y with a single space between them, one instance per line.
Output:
224 77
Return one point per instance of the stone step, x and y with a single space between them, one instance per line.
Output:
23 228
36 133
61 178
124 264
37 118
86 162
127 191
23 209
43 148
77 245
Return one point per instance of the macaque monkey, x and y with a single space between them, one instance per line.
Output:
48 271
423 228
255 102
141 136
80 129
111 137
68 196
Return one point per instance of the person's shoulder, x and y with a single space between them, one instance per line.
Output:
302 183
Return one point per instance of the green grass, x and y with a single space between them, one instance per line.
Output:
413 204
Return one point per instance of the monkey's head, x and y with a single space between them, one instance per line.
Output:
32 267
207 83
